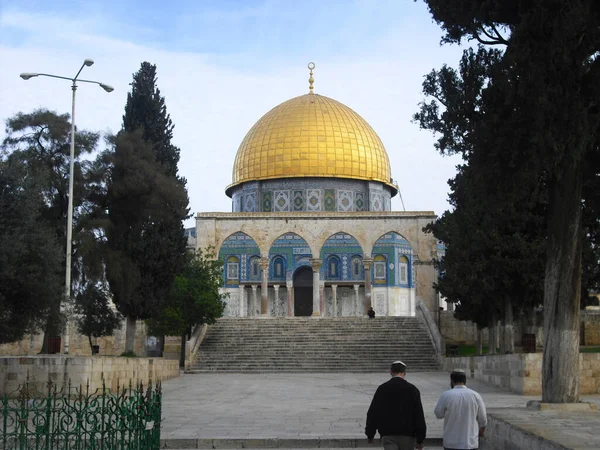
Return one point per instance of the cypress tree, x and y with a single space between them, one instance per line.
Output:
147 205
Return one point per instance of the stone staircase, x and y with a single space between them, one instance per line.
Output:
304 344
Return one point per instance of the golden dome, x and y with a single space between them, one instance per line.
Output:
311 136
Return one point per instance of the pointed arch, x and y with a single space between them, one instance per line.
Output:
393 255
287 252
339 251
242 247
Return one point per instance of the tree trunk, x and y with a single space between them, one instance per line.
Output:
492 338
91 345
130 334
53 326
502 333
509 329
562 288
182 351
479 341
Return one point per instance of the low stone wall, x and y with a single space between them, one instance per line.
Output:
590 323
522 373
465 332
79 345
501 435
14 371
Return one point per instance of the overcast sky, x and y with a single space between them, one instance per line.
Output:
222 64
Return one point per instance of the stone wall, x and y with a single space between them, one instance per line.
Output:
78 345
590 322
522 373
14 371
465 332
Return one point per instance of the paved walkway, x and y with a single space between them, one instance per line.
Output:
266 410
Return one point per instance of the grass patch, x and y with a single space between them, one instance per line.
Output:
589 349
129 354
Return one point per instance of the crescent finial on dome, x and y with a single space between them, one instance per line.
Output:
311 80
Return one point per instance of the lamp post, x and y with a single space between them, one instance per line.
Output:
107 88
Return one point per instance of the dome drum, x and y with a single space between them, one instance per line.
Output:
311 195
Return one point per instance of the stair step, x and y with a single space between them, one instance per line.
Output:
314 345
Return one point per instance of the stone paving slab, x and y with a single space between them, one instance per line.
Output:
294 406
312 410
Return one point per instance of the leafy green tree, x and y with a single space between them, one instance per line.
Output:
545 97
96 318
30 256
41 142
194 298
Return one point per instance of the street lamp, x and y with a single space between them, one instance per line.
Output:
107 88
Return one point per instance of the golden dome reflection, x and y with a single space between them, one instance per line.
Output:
311 136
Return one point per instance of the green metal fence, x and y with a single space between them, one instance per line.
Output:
73 418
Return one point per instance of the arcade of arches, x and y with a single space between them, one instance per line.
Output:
385 262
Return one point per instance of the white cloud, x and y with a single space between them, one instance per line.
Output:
214 99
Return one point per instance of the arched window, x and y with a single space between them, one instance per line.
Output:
403 267
278 268
356 267
379 269
254 268
333 268
233 270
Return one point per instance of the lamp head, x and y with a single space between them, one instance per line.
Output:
88 62
106 87
27 76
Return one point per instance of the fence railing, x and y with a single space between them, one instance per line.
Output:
73 418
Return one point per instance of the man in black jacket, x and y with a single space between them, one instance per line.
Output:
397 413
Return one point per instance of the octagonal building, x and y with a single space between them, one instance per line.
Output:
311 232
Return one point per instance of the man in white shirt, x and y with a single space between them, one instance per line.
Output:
464 414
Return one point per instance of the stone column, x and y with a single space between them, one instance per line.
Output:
356 300
334 306
316 266
242 300
254 300
264 287
290 298
322 298
276 299
368 287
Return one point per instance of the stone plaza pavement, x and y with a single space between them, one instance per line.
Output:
317 410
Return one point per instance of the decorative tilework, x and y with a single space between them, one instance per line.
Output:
281 201
344 201
298 200
314 199
237 203
376 202
359 201
329 200
267 202
250 202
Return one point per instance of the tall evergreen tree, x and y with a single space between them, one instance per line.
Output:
147 203
548 93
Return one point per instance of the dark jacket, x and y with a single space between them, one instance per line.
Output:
396 409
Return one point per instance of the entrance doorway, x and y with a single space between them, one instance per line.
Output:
303 291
